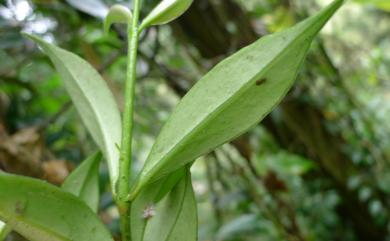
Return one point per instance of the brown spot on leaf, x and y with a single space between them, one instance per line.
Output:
261 81
19 207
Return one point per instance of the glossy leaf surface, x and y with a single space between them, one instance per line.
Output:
166 11
83 182
93 100
172 218
117 14
234 96
42 212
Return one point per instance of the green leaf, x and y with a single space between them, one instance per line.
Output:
83 182
93 100
117 14
166 11
173 218
42 212
234 96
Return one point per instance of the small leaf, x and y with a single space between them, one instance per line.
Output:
93 100
234 96
117 14
96 8
42 212
83 182
173 218
166 11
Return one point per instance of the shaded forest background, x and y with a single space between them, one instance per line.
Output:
317 168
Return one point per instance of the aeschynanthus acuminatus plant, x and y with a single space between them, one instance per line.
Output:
160 205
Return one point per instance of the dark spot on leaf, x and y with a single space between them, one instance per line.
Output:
250 57
261 81
19 208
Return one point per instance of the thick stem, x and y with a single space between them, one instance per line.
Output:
125 155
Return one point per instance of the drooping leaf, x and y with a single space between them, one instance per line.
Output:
96 8
117 14
83 182
166 11
172 218
93 100
234 96
42 212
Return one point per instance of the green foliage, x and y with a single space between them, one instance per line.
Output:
83 182
40 211
166 11
232 97
93 100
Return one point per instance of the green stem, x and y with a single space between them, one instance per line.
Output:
126 152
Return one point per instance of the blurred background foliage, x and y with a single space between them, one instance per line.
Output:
317 168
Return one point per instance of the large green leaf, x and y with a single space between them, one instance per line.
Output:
172 218
42 212
93 100
83 182
235 95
